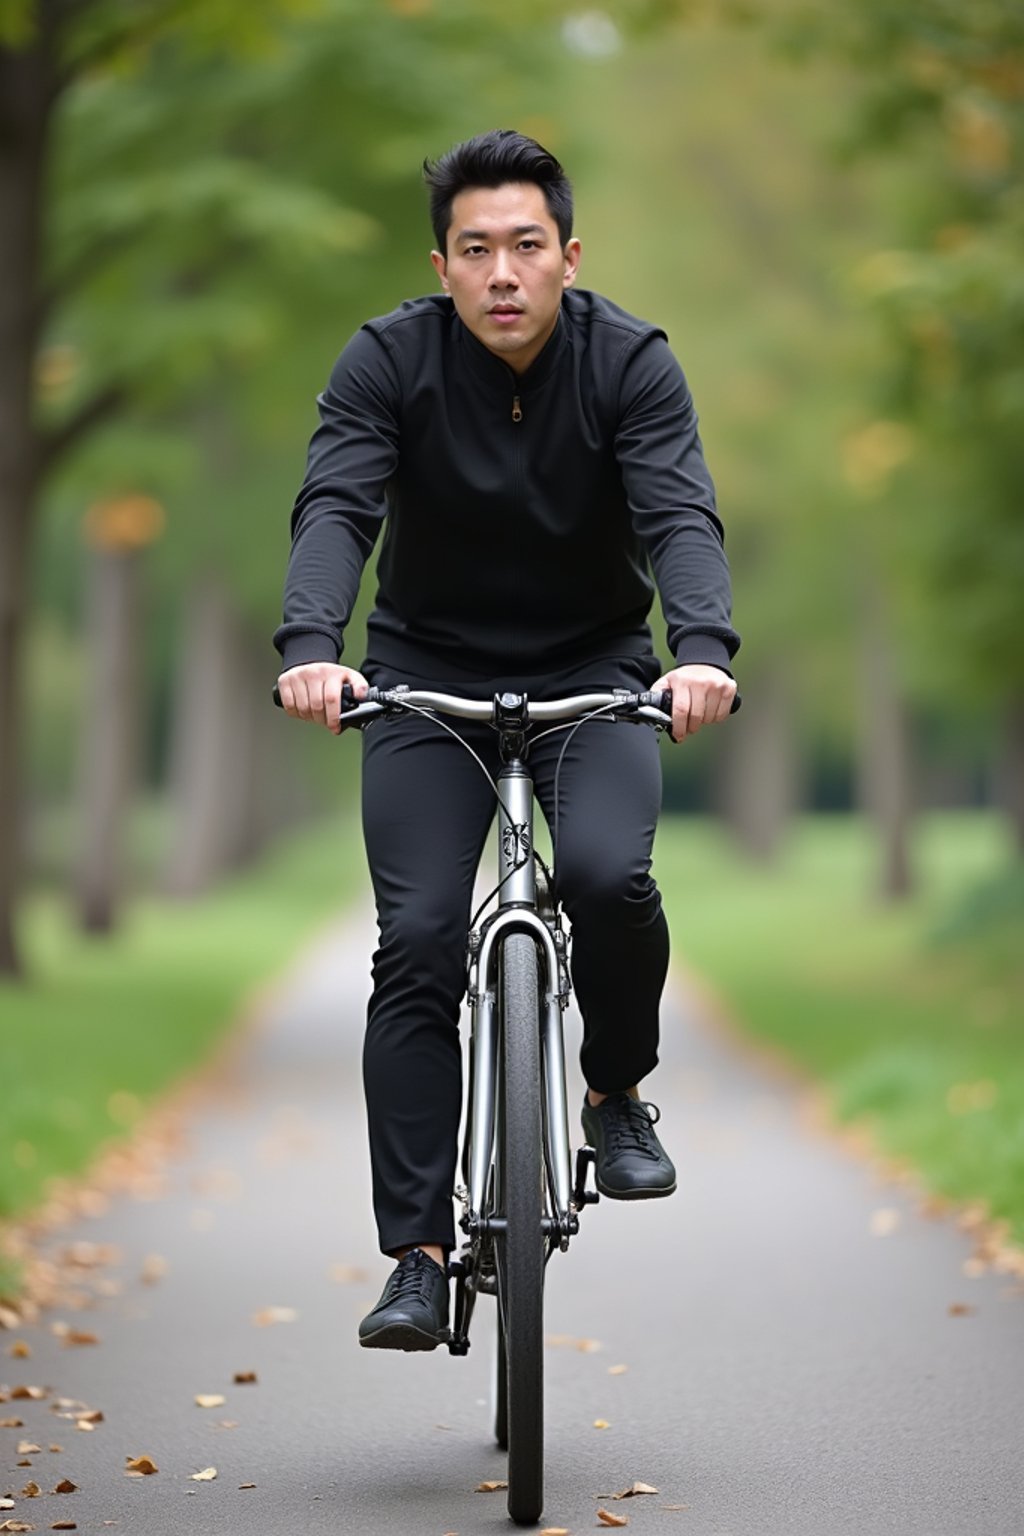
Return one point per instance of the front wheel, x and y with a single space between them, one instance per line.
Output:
519 1250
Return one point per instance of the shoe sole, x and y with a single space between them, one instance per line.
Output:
635 1194
402 1336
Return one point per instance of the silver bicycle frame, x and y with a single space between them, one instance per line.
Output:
517 914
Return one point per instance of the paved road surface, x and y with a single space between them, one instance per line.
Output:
789 1373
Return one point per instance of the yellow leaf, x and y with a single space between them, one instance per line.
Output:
207 1475
242 1377
64 1525
267 1316
79 1336
489 1487
617 1370
31 1491
66 1486
884 1221
26 1448
601 1424
210 1400
19 1350
607 1518
142 1466
634 1490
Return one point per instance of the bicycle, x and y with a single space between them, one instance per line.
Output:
518 989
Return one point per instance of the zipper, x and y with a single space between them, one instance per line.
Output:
517 410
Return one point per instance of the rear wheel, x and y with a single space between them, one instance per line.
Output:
519 1250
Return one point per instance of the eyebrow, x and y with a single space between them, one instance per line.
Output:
483 234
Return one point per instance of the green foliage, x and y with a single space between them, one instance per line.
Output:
919 1035
129 1016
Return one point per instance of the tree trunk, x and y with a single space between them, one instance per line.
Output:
1011 769
26 97
207 758
884 769
759 778
110 732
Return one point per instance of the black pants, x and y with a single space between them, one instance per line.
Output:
427 809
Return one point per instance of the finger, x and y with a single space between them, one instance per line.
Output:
360 687
698 708
332 703
680 711
724 703
318 709
300 695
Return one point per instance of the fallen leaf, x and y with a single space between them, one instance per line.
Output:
25 1463
35 1393
66 1486
242 1378
607 1518
227 1423
884 1221
634 1490
601 1424
88 1416
6 1503
674 1506
12 1423
79 1336
247 1485
154 1267
210 1400
489 1487
555 1530
26 1448
141 1466
85 1424
19 1350
207 1475
31 1491
348 1274
16 1525
267 1316
617 1370
64 1525
961 1309
56 1447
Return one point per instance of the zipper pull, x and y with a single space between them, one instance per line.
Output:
517 410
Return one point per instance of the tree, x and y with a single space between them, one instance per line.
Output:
179 182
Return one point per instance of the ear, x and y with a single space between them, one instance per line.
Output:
440 266
572 254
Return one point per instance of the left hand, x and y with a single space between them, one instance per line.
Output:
701 695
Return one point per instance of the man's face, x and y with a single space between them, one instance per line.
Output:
505 268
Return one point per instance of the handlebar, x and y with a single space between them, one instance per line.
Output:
619 704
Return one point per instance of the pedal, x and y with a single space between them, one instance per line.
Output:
586 1157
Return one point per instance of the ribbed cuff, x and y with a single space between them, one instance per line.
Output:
303 648
706 650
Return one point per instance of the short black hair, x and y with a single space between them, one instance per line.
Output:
490 160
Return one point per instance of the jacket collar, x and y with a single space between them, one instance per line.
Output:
490 369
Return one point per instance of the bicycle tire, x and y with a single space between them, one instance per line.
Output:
519 1250
500 1390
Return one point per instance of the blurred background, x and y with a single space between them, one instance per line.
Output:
823 206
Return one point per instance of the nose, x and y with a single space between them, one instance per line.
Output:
502 272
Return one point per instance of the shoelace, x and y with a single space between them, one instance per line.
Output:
410 1281
629 1128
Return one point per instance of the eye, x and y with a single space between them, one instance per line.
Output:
473 250
529 245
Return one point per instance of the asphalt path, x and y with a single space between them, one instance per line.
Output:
804 1351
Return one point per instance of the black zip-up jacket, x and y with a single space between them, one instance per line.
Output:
521 510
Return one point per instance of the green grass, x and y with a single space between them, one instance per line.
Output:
103 1025
912 1015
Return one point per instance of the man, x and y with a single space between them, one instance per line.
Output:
530 449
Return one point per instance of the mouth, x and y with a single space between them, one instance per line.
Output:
504 313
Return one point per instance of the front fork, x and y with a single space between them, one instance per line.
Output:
473 1269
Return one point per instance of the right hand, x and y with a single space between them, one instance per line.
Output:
313 692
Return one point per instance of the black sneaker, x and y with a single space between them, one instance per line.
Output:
413 1309
631 1162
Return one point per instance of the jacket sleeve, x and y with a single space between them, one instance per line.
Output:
672 501
343 500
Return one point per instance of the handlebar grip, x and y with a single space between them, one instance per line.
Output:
663 701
